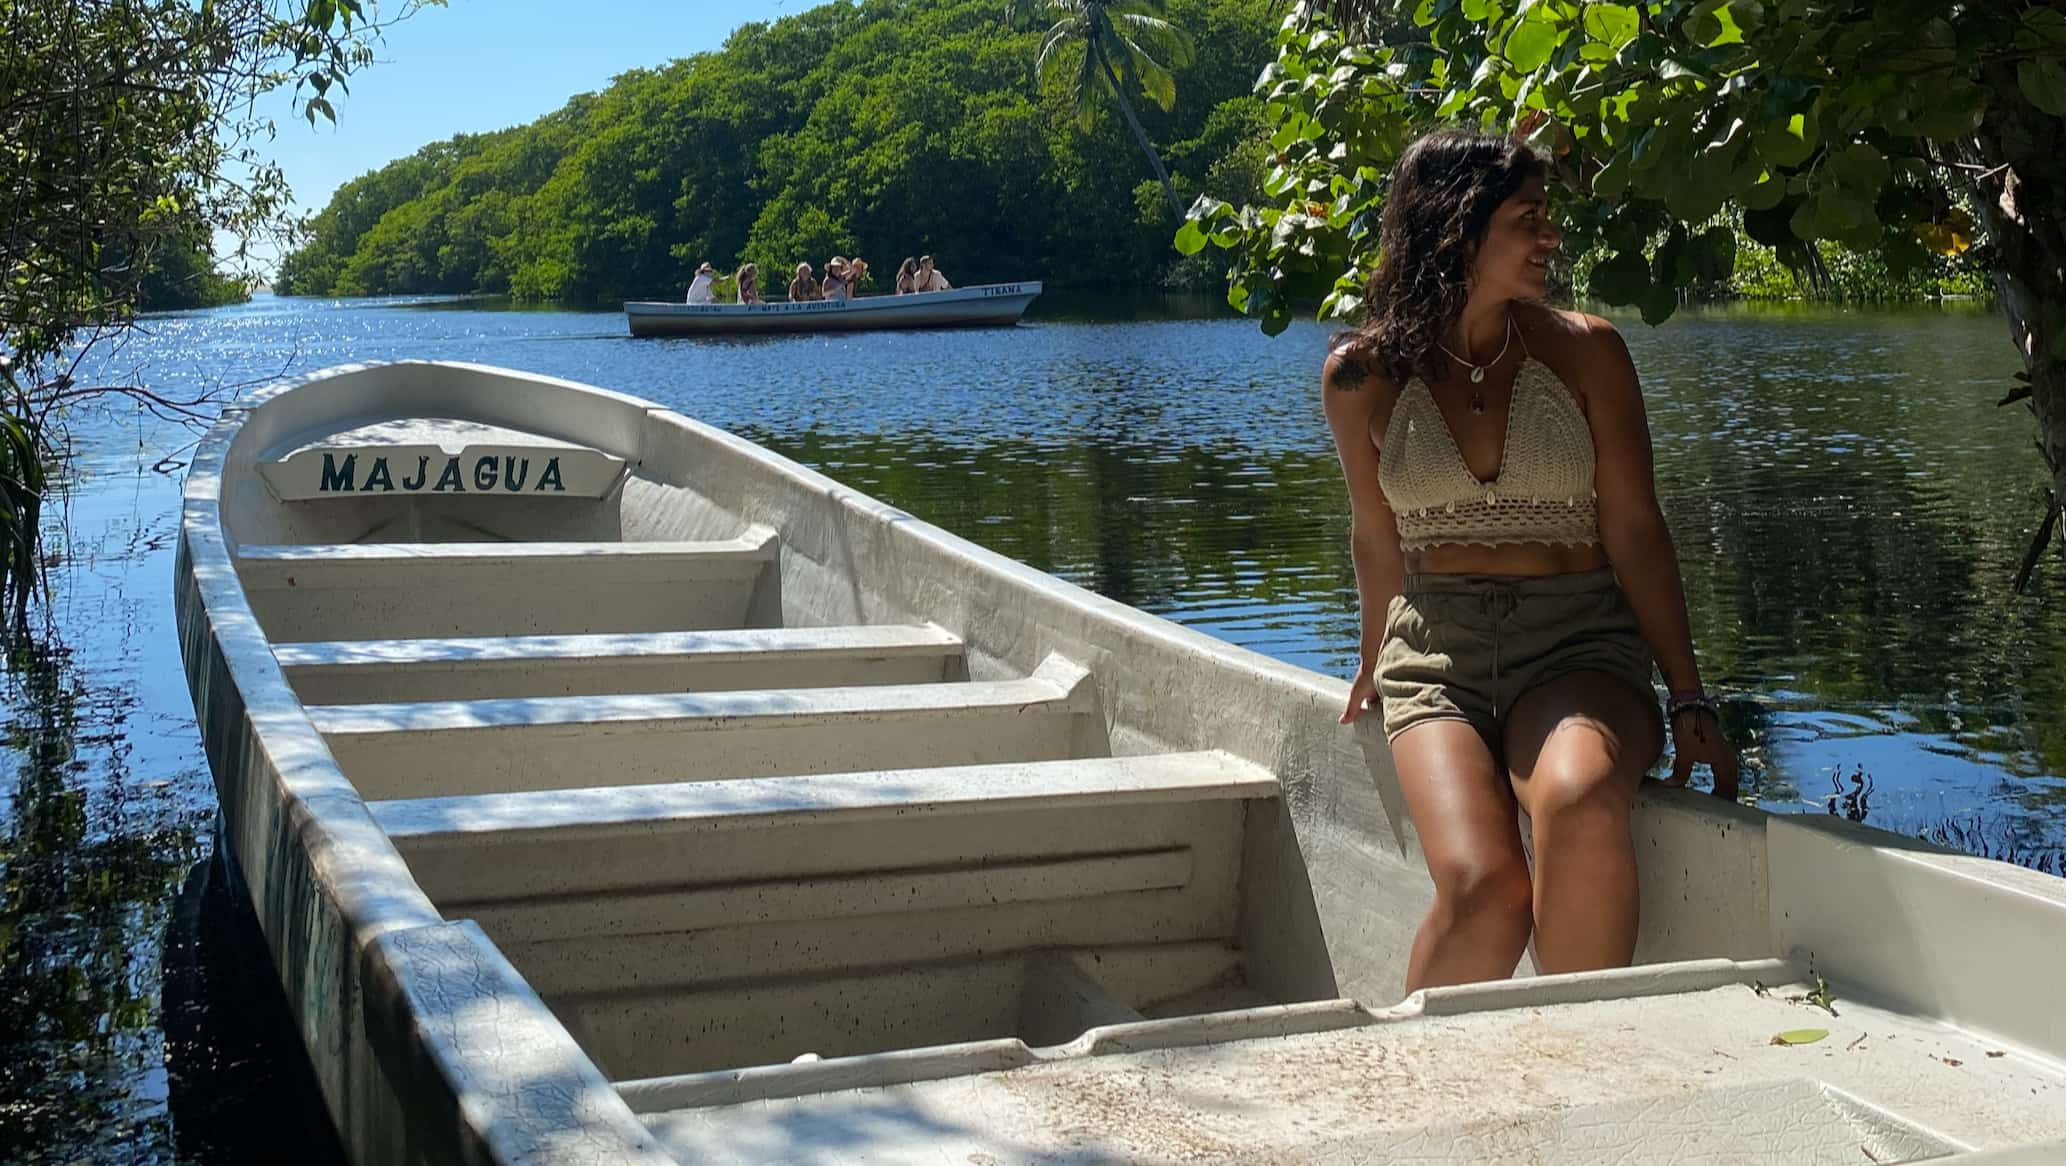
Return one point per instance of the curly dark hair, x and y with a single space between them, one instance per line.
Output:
1442 194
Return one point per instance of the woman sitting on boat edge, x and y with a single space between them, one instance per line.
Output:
748 280
804 288
1515 575
925 279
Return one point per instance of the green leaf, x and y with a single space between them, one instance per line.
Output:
1861 169
1622 279
1715 255
1673 69
1789 142
1800 1036
1659 305
1190 240
1529 46
1630 228
1613 180
1695 196
1731 31
2048 23
1947 124
1863 234
1805 220
2043 81
1902 252
1670 269
1838 210
1702 27
1612 24
1767 193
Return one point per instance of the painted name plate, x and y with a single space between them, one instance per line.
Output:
502 471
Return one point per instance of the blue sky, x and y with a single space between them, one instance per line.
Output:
478 65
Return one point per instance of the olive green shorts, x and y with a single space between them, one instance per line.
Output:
1466 647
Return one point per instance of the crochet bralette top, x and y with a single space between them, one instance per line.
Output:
1544 489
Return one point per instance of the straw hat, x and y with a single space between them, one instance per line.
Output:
856 268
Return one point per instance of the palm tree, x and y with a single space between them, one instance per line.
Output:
1121 41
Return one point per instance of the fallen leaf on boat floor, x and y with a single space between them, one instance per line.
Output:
1800 1036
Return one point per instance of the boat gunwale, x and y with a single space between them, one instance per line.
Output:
351 865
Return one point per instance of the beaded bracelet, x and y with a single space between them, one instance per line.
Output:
1680 702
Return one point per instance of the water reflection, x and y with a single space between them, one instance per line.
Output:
91 860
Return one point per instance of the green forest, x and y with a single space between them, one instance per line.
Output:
883 129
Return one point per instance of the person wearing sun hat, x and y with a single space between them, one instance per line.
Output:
699 288
856 271
835 284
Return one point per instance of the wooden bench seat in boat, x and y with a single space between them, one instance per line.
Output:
357 591
488 667
850 912
427 748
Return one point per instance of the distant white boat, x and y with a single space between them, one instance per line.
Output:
992 305
611 789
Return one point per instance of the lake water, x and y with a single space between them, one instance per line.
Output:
1849 506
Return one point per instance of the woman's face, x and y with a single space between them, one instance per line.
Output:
1514 257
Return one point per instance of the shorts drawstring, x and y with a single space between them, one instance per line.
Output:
1498 601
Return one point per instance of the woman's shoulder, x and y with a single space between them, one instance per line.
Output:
1580 335
1579 346
1352 366
1584 351
1356 392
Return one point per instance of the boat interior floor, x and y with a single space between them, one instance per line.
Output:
1532 1072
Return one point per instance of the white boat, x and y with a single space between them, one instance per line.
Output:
611 789
987 305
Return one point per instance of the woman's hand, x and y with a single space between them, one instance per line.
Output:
1696 736
1362 693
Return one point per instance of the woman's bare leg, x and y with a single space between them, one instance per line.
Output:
1577 747
1464 813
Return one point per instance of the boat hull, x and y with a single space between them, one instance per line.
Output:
986 306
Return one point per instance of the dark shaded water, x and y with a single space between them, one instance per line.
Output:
1849 507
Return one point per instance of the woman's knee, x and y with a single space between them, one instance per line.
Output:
1579 789
1486 887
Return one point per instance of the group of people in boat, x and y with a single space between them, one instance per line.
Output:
842 280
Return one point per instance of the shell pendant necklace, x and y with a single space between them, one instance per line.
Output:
1478 370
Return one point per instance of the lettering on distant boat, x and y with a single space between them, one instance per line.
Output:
545 471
